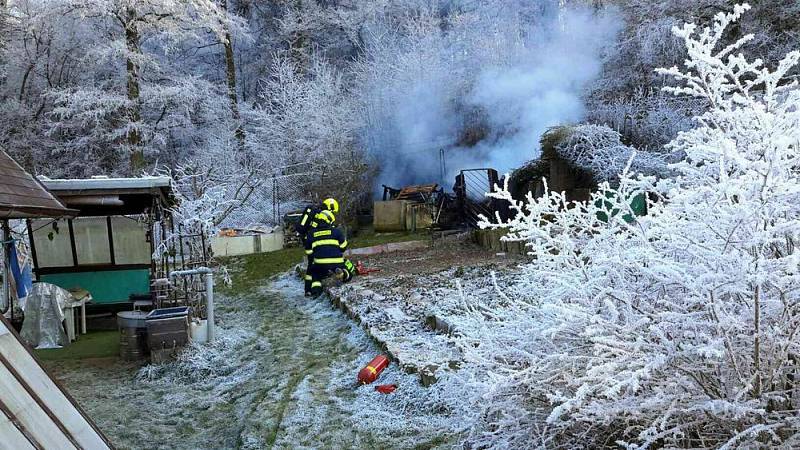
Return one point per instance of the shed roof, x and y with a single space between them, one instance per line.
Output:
106 184
22 195
99 196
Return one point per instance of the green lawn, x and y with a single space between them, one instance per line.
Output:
97 344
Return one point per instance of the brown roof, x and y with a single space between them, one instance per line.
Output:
421 192
21 194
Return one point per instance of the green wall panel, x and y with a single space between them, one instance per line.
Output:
111 286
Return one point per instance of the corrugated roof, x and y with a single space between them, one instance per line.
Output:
21 195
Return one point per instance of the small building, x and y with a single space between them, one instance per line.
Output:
560 173
107 249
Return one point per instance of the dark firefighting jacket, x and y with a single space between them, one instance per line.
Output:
325 245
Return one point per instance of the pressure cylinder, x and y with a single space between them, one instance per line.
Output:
372 370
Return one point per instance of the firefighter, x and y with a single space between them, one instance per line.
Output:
307 223
325 247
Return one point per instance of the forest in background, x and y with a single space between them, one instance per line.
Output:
228 93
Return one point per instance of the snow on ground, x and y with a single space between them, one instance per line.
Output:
397 304
282 373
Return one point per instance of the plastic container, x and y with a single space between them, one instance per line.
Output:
198 330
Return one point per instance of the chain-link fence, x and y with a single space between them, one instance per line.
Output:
287 189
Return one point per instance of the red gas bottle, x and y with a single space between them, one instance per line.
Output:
371 372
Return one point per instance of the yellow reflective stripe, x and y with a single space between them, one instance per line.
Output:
324 242
304 220
328 260
307 278
343 244
314 224
322 233
308 252
316 284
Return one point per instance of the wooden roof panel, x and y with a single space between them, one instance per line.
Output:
21 195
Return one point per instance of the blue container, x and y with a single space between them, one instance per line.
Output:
168 313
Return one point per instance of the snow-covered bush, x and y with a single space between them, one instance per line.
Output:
600 151
678 329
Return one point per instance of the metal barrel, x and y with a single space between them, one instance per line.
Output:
132 335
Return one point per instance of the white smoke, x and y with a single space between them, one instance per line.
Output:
481 85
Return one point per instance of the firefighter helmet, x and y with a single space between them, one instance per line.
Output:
326 216
331 204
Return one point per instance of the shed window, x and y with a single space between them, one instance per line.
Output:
130 241
51 238
91 240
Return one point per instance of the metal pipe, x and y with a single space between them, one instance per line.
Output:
95 200
6 236
209 294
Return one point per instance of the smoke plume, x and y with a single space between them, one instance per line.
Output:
479 87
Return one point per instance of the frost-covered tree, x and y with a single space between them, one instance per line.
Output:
113 112
627 95
676 329
309 121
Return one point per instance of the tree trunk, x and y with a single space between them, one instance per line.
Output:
137 162
299 43
3 34
230 70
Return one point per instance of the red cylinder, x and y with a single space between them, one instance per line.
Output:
371 372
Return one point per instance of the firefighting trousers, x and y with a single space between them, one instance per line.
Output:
321 271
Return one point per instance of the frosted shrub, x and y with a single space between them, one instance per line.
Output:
679 328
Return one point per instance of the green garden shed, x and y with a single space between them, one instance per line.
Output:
107 248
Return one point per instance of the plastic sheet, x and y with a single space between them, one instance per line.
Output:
21 274
44 313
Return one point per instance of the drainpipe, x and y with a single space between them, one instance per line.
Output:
209 294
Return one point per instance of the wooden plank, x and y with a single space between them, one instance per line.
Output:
13 439
29 415
49 395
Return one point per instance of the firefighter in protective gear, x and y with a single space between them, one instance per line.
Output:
325 247
310 213
308 223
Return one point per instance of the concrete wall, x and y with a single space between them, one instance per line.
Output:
390 215
247 245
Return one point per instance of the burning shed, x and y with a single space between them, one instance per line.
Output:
408 209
